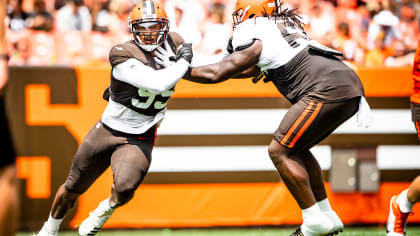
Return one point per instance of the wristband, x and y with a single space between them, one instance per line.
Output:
4 56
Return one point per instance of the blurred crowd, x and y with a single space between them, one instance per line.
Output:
71 32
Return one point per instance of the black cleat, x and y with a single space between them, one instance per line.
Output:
298 232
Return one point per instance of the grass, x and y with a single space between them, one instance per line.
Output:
349 231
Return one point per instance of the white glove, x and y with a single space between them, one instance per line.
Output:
364 114
165 57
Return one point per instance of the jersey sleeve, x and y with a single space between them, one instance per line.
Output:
244 35
119 54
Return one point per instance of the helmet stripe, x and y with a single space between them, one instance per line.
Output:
149 9
278 6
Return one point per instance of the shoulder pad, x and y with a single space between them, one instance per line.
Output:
176 38
119 54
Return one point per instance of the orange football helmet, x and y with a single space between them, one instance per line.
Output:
246 9
149 24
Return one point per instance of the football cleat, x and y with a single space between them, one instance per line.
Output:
338 225
298 232
317 225
45 231
95 221
397 220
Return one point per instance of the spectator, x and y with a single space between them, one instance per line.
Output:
385 21
215 31
346 11
73 16
401 56
118 15
100 16
185 16
409 27
322 25
40 18
376 57
20 51
17 16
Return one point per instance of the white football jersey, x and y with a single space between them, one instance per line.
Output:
276 50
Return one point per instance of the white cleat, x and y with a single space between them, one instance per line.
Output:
95 221
45 231
317 226
338 225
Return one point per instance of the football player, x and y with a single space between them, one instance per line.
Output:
402 203
324 92
124 137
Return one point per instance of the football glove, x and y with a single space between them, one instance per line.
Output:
165 56
185 52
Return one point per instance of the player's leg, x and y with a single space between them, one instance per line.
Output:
129 163
129 167
318 188
90 161
293 173
413 193
331 116
400 208
9 200
63 201
306 124
296 178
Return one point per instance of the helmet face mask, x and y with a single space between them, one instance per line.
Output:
148 24
238 15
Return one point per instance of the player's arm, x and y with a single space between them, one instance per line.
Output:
248 73
231 66
134 72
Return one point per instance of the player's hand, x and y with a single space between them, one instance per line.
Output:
165 57
185 52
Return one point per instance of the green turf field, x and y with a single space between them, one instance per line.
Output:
362 231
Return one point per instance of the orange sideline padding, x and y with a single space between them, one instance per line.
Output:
378 82
205 205
386 81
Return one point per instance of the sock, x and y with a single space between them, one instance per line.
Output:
53 224
402 201
315 222
324 205
311 212
104 206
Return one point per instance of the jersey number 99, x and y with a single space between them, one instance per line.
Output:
158 101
